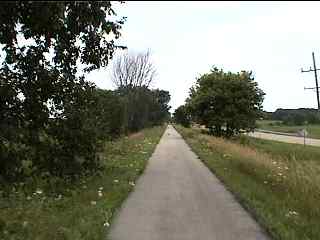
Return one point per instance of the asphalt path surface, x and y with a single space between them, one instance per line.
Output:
178 198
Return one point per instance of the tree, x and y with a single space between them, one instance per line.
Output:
182 116
133 75
144 107
159 111
44 105
133 70
226 102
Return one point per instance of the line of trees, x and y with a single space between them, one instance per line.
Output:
295 116
51 120
224 102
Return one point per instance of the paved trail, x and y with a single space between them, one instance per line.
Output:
178 198
287 139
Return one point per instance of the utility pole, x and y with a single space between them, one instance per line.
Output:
316 78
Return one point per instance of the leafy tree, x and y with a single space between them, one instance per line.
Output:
133 74
44 106
226 102
144 107
159 111
182 116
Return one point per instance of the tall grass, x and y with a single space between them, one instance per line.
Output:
282 192
78 210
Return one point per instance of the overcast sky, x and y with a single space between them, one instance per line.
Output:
273 39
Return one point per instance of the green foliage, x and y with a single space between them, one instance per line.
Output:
107 114
226 102
297 116
144 107
182 116
45 109
56 208
277 182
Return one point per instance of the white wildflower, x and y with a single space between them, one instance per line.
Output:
106 224
100 188
292 213
39 191
24 224
132 183
93 203
100 194
59 197
116 180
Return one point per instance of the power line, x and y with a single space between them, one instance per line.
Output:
315 77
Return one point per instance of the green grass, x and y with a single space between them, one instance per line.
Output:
79 212
312 129
288 151
278 183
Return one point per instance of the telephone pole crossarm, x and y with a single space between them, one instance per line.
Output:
316 78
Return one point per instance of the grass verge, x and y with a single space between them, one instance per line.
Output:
81 210
278 183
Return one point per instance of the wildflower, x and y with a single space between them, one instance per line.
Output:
25 223
59 197
100 194
280 174
39 191
274 162
106 224
143 152
292 213
29 198
93 203
286 168
265 182
100 188
84 186
132 183
116 180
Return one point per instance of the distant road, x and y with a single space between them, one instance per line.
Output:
283 137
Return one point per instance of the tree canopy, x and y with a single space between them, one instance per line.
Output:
226 102
182 116
46 103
